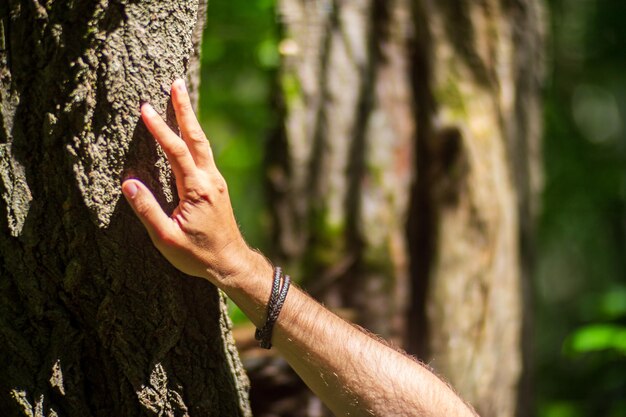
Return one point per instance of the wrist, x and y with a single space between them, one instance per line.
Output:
247 266
249 285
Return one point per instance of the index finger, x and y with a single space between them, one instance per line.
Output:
175 148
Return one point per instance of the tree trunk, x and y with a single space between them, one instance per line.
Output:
478 178
93 321
340 188
403 181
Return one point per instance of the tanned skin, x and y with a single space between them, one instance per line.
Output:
353 373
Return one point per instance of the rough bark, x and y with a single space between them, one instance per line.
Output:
92 320
407 170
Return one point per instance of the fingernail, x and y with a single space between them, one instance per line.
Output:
130 189
148 110
180 85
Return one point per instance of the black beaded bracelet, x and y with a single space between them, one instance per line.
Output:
274 305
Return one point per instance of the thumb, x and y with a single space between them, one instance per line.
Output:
147 209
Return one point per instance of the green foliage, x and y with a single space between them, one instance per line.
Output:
239 57
236 315
560 409
597 337
581 299
610 305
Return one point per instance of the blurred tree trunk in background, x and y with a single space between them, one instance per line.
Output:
342 185
404 181
93 321
478 162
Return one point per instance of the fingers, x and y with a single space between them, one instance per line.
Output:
175 148
158 224
190 128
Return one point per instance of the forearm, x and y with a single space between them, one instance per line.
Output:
353 373
350 371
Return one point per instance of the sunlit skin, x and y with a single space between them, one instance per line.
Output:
353 373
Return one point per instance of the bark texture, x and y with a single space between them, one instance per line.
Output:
93 322
405 178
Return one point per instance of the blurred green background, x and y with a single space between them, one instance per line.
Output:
580 338
239 60
580 273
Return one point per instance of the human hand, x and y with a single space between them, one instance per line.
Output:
201 236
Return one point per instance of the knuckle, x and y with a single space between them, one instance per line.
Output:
184 104
178 150
192 186
220 184
197 135
195 193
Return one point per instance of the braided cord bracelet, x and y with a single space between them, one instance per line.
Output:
260 333
274 305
